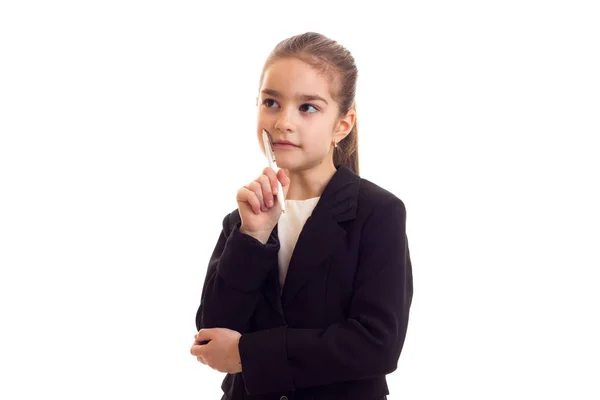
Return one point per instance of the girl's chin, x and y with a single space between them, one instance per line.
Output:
287 164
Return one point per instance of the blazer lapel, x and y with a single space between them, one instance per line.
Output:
322 233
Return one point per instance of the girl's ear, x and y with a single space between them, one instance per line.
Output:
344 126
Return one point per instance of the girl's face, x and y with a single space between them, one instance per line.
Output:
295 106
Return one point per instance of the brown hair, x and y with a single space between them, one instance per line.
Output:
337 62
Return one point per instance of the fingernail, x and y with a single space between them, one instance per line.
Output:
270 203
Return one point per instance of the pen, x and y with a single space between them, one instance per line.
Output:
273 164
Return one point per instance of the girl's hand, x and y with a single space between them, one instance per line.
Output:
258 205
221 353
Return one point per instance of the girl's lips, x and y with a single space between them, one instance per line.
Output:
283 145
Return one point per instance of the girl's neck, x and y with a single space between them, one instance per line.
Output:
309 183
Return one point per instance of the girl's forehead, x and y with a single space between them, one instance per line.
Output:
290 75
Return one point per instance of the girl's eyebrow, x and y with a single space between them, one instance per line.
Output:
303 97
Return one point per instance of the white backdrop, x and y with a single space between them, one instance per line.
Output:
127 127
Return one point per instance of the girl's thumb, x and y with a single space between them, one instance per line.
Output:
285 182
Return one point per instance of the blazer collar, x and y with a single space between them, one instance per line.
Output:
340 197
321 234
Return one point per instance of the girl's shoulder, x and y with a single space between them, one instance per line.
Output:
373 196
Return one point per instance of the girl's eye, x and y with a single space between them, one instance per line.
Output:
270 103
309 108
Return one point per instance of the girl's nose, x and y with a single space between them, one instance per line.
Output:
284 123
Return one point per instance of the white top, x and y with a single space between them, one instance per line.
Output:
288 230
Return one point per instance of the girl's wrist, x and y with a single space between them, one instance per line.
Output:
261 236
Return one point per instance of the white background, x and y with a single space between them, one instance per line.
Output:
127 127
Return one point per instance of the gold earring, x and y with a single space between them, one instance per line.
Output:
335 144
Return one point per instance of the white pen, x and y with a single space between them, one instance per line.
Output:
273 164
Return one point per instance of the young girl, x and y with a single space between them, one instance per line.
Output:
312 303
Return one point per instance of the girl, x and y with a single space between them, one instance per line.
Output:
312 303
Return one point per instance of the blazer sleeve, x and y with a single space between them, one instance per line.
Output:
367 344
236 272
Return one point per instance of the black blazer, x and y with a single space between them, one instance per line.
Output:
339 326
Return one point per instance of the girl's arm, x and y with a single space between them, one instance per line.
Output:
367 344
236 273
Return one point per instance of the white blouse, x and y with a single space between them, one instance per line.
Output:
288 230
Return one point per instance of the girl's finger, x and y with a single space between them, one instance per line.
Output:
257 189
249 197
267 191
283 178
268 171
285 181
196 350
